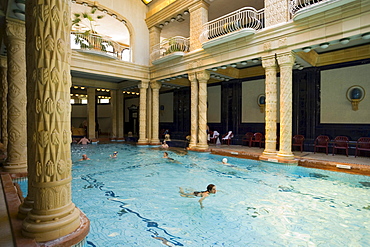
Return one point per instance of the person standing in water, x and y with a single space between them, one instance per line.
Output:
211 189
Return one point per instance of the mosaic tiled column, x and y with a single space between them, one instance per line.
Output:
286 62
276 12
17 98
198 16
143 138
91 112
4 103
155 85
269 64
203 77
48 58
193 110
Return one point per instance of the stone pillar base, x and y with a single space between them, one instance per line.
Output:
142 142
50 227
198 149
15 168
155 142
279 159
288 156
269 153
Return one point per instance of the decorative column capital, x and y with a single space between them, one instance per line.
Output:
269 61
286 58
155 85
203 76
197 5
16 29
192 77
155 29
143 85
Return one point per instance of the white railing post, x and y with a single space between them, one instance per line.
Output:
295 5
168 46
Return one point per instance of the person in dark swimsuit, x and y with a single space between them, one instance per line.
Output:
211 189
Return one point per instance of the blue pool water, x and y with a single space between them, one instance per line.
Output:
133 200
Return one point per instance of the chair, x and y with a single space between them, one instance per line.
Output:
247 139
363 144
340 142
298 140
321 141
257 138
226 139
214 136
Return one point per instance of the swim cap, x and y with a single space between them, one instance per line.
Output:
224 160
115 152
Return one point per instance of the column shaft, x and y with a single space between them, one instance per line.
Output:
143 139
194 110
155 85
48 56
286 61
113 104
203 77
269 63
121 115
4 103
17 98
154 39
91 113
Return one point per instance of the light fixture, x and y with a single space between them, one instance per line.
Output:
355 95
98 89
179 18
73 1
344 41
297 66
124 22
306 49
186 12
166 23
255 60
114 16
223 67
107 90
105 11
21 4
213 76
300 67
366 36
82 88
160 25
19 14
243 63
227 79
75 87
324 45
124 92
168 79
217 77
84 4
233 65
261 102
173 19
162 80
214 69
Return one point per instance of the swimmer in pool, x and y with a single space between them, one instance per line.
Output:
84 157
114 155
224 161
211 189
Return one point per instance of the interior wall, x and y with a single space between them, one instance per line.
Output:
166 108
335 108
128 103
250 110
214 104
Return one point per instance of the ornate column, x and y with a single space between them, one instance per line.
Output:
276 12
198 16
269 64
48 58
194 110
143 139
4 103
286 62
149 117
155 85
203 77
91 112
113 105
120 115
17 97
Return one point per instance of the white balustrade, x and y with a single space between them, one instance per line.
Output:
244 18
97 43
169 46
296 5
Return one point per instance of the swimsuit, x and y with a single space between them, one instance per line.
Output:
198 193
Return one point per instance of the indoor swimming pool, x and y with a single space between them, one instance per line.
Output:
134 200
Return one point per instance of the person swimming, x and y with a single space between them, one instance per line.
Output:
211 189
114 155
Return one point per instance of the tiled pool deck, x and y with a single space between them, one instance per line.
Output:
338 162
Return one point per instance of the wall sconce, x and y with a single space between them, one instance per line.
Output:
261 102
355 95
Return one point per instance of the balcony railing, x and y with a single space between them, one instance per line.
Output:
244 18
303 8
98 45
170 46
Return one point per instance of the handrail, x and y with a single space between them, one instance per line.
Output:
100 43
296 5
168 46
247 17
